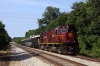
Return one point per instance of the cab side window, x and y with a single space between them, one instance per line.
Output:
58 31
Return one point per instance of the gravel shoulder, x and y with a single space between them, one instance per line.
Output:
4 58
21 58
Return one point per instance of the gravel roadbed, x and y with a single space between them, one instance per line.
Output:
79 60
4 58
21 58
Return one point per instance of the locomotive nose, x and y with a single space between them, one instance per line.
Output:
70 34
68 37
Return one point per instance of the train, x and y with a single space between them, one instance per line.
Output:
62 39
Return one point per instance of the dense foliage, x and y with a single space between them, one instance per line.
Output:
85 16
4 37
29 33
17 40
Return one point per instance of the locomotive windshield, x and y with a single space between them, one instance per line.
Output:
71 30
67 30
64 30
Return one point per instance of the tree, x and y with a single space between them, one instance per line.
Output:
93 29
58 21
17 40
29 33
4 37
93 12
86 18
50 14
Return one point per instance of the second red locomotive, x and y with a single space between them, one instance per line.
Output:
62 39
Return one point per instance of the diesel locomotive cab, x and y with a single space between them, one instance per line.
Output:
68 39
69 36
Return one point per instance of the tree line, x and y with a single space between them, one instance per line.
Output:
85 16
4 37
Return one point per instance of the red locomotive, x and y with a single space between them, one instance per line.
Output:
62 39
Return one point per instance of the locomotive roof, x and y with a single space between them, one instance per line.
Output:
61 26
35 36
25 39
30 38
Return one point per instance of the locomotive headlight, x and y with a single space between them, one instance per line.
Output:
70 34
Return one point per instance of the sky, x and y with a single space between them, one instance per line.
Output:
20 16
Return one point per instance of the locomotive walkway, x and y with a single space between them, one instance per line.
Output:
21 58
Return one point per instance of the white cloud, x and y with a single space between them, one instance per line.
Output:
35 3
18 20
19 17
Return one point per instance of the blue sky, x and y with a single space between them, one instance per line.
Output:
20 16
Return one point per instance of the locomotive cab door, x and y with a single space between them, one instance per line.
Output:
58 31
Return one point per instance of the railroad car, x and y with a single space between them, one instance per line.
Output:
62 39
22 42
31 42
26 42
35 40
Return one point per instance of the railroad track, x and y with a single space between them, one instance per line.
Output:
53 59
88 58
